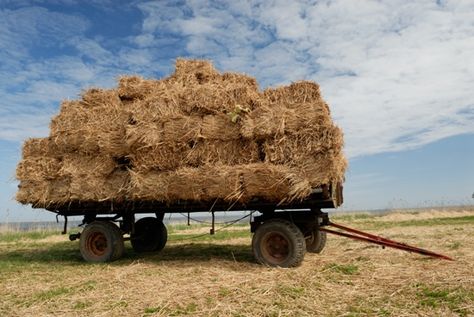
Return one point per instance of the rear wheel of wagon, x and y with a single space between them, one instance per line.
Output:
279 242
149 235
316 242
101 241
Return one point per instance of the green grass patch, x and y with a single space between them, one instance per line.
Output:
348 269
14 236
291 291
456 299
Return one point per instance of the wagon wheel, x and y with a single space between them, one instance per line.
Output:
101 241
316 242
279 242
149 235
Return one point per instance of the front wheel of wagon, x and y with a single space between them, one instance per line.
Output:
101 241
279 242
149 235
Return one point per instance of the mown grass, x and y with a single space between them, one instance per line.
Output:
44 274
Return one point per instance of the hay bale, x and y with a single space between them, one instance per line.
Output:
90 187
154 107
220 127
195 135
43 193
78 166
165 130
99 128
240 79
136 87
293 149
215 98
96 97
324 168
272 120
158 157
198 184
226 153
38 168
171 156
39 147
193 72
295 94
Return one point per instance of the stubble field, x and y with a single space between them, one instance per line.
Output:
43 274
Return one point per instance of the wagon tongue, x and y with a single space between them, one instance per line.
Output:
367 237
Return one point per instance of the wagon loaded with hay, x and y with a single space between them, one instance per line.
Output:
198 140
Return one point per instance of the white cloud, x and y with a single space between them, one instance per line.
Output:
397 74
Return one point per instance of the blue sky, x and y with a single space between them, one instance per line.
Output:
398 76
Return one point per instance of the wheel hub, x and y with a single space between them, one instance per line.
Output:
275 247
97 243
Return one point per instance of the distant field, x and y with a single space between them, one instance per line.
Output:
43 274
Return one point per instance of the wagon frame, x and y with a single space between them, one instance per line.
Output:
282 233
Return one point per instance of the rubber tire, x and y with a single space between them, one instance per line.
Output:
149 235
317 242
113 239
120 247
287 230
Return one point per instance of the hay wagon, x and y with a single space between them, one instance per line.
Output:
281 233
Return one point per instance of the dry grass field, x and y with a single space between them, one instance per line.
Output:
42 274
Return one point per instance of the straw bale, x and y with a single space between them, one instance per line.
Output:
194 72
199 184
42 193
154 107
203 184
270 120
79 166
214 98
241 79
291 149
62 190
195 135
230 183
167 156
39 147
38 168
136 87
223 152
295 94
174 129
89 130
89 187
325 168
96 97
266 181
220 127
182 129
171 156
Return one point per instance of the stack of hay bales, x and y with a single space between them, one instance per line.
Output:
195 135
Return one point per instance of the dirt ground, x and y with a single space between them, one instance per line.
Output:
43 274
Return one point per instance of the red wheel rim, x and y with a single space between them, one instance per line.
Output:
275 247
97 244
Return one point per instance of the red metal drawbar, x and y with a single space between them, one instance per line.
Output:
367 237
